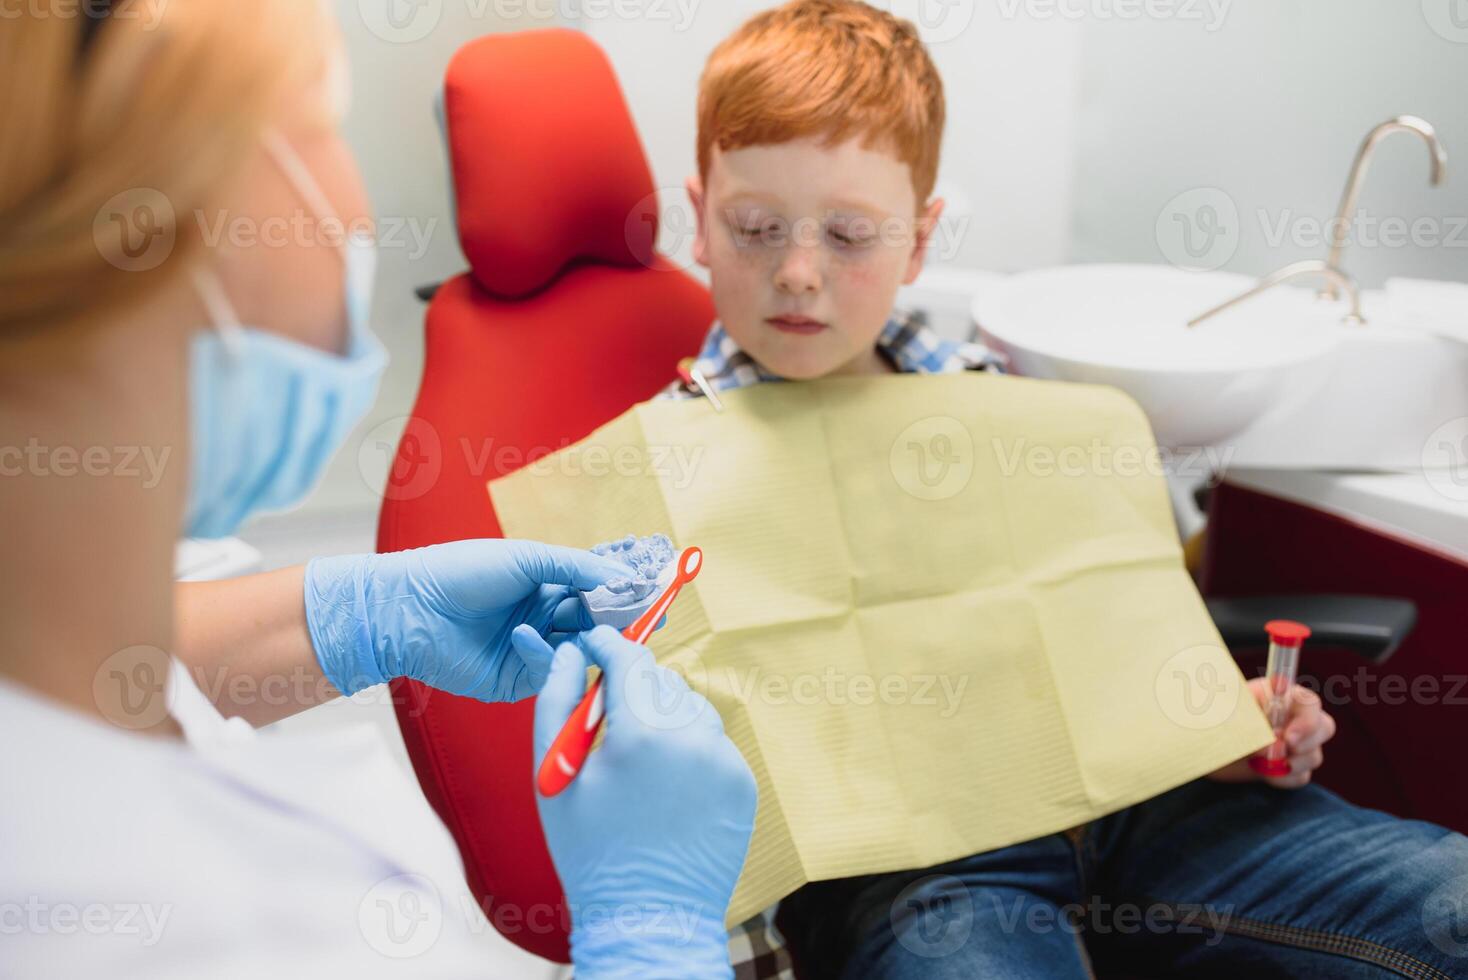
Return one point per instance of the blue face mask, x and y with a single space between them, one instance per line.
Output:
268 413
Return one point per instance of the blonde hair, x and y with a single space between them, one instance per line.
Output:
825 68
168 98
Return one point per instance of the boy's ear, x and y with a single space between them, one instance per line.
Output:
701 232
927 227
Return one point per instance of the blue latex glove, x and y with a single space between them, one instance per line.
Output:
649 840
445 615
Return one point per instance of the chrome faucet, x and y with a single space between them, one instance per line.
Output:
1352 195
1310 267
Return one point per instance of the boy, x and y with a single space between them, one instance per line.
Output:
820 124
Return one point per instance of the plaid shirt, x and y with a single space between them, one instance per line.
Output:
756 948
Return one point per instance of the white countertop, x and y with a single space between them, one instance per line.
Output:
1424 509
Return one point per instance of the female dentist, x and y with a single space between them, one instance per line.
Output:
138 837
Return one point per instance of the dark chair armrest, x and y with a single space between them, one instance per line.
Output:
1372 626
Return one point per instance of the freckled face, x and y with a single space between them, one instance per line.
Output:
806 247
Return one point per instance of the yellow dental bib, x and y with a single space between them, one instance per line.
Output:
939 614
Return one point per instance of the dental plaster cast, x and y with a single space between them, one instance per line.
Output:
650 568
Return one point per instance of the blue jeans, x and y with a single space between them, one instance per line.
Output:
1208 880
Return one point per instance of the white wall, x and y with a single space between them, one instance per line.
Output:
1263 116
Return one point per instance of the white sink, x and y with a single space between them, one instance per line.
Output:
1126 326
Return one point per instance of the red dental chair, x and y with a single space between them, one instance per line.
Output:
566 318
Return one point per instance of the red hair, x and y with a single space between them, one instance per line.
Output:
831 69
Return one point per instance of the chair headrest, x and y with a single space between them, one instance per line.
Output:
547 165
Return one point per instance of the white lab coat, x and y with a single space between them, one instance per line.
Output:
235 855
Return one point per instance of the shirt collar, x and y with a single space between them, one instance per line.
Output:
906 341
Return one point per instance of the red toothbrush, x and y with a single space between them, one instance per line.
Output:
568 752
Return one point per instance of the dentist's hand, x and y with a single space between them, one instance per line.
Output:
649 840
473 617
